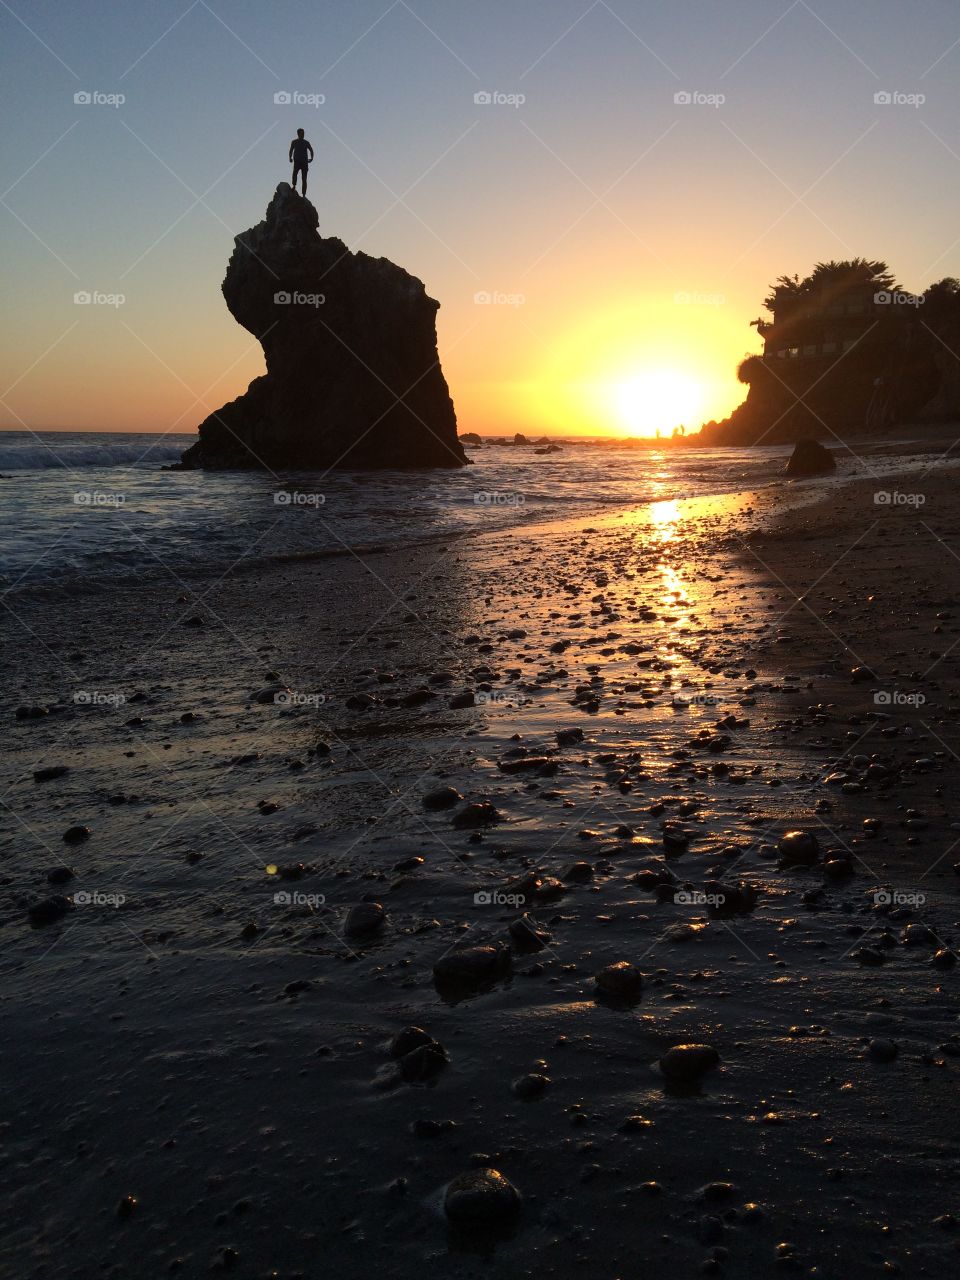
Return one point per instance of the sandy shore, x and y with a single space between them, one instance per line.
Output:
200 1076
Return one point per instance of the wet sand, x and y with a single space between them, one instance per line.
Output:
200 1076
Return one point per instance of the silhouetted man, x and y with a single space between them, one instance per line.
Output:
301 153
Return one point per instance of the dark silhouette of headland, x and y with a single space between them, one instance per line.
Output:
847 351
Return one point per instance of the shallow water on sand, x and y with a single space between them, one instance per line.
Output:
93 508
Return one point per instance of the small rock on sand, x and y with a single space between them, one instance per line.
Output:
49 909
481 1198
364 919
50 772
442 798
473 966
798 849
423 1062
686 1063
621 980
479 813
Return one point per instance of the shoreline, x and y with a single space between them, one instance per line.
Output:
777 488
225 1049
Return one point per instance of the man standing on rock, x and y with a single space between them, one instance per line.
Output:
301 153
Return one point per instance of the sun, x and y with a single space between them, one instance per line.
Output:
656 401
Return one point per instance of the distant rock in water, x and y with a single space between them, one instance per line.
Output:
810 458
353 375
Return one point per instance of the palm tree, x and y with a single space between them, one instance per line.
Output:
827 282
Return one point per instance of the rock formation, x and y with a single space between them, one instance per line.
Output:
810 458
353 375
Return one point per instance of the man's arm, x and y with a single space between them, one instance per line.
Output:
311 153
290 155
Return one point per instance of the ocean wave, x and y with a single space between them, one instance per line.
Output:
37 456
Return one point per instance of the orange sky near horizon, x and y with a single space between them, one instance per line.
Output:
599 230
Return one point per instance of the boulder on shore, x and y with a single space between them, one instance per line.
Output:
810 458
353 375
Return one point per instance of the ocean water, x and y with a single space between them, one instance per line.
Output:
88 509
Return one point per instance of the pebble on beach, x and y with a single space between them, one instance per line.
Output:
481 1198
620 980
685 1064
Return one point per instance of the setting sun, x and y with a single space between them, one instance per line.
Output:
658 400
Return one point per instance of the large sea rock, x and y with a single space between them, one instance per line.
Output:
350 342
810 458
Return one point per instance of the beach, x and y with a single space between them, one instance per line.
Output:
293 791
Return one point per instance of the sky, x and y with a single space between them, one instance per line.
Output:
600 226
